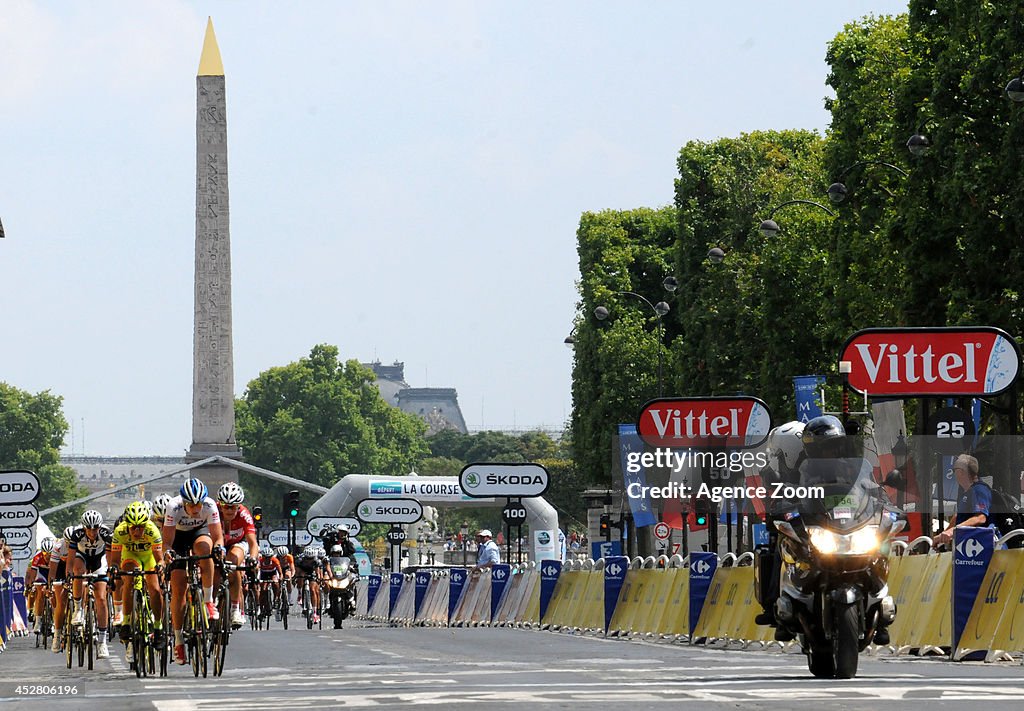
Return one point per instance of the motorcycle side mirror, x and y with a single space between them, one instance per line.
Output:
895 480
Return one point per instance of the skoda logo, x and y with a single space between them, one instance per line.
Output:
472 480
364 510
543 538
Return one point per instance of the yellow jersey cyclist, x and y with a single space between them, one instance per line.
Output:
116 584
192 526
138 544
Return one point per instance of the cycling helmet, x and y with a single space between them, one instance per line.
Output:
160 505
282 551
92 518
230 493
46 545
193 491
68 532
148 505
785 445
267 552
823 438
135 514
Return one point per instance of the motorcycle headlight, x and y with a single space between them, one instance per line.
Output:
860 542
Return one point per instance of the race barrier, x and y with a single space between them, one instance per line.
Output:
968 603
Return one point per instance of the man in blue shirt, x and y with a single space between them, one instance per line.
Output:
974 505
487 553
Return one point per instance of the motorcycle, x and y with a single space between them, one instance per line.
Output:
834 543
341 586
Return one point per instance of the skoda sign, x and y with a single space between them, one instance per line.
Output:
317 523
18 516
389 511
18 487
482 481
18 537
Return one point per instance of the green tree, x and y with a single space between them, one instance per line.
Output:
32 429
319 419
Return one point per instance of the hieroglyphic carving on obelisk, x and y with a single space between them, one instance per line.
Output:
213 405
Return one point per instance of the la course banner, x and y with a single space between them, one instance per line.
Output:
920 362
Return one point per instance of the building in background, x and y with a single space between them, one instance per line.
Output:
438 407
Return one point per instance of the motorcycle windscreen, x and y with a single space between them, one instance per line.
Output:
845 495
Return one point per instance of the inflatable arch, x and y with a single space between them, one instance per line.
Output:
436 491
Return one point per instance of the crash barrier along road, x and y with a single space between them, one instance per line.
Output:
967 603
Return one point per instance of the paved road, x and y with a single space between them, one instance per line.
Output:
379 667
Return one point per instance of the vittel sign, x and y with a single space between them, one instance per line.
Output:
485 480
18 487
739 421
389 511
914 362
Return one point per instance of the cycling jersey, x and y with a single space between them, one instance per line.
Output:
239 527
123 539
270 564
41 562
182 521
86 547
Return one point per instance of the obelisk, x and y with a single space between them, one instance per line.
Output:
213 404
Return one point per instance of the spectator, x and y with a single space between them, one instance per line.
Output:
974 505
487 553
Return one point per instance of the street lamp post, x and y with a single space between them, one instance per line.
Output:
465 541
837 191
770 228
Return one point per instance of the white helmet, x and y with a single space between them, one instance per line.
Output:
160 504
785 446
46 545
68 532
230 494
92 518
282 551
148 505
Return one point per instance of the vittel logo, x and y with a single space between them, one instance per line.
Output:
931 361
910 367
704 422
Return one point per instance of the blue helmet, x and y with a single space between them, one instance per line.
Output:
193 491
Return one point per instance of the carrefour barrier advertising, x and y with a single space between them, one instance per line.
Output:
372 588
972 551
422 583
456 581
18 596
394 590
499 579
702 570
549 572
614 574
629 441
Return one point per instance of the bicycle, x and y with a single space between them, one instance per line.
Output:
267 604
250 597
222 628
307 602
284 602
143 626
82 637
196 628
46 621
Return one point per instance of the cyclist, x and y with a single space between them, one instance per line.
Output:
239 539
137 543
192 525
269 573
287 562
160 509
37 572
310 565
89 543
58 571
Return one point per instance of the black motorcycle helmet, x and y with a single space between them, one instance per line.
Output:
824 438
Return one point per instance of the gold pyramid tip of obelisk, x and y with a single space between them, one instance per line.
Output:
209 62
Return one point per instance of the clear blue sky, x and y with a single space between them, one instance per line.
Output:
406 180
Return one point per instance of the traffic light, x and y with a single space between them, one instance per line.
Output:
606 526
293 504
257 515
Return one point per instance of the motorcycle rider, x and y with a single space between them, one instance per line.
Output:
338 536
785 452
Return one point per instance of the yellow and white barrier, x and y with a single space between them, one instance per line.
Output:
993 626
474 606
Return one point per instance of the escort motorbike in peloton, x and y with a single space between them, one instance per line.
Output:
341 580
834 596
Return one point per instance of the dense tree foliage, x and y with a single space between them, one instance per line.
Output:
32 429
919 240
319 419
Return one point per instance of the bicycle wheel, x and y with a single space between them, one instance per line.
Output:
307 604
137 636
47 622
251 610
194 613
220 636
284 609
89 629
69 629
163 649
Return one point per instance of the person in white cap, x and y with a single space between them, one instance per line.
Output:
487 553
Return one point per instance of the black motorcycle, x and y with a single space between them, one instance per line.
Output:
835 543
340 581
